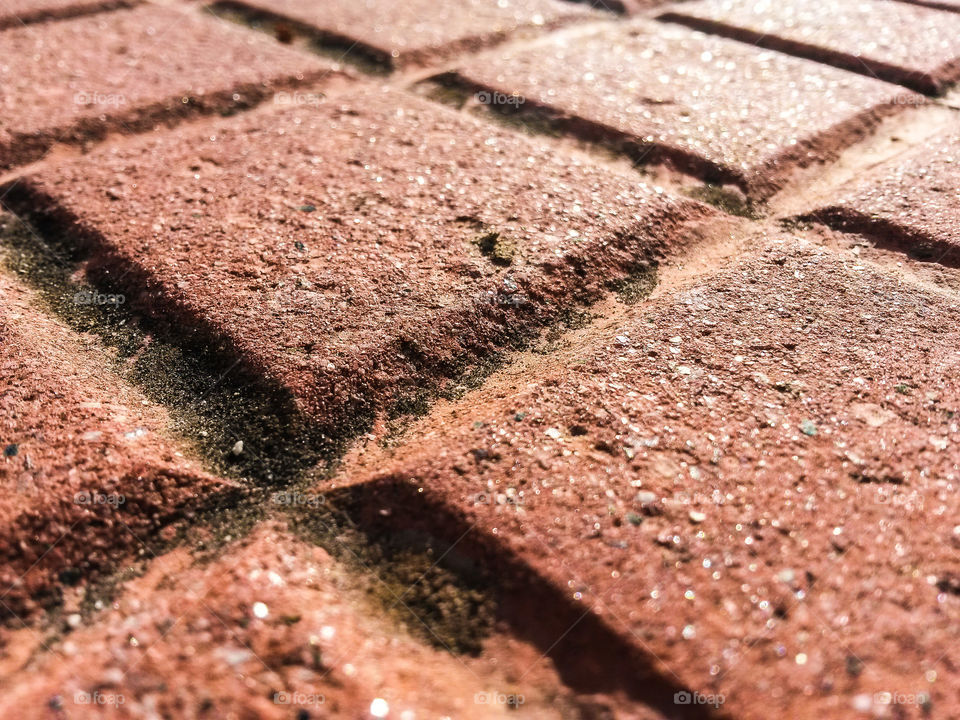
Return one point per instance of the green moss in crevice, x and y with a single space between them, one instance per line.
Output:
730 200
637 286
435 593
449 95
497 248
473 376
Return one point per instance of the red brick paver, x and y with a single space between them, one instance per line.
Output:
914 46
731 112
912 202
129 70
364 220
726 490
417 31
289 636
748 479
86 467
14 13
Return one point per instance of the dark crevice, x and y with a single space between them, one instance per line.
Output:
141 533
21 148
337 47
729 200
636 286
590 655
67 12
935 4
532 117
435 591
215 401
887 235
920 81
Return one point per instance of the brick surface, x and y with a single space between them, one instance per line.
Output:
749 479
911 202
318 647
129 70
504 418
86 467
910 45
711 105
384 239
420 31
14 13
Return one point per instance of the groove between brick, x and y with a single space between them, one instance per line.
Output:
73 10
919 81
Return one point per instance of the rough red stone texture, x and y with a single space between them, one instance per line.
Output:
85 468
416 31
914 46
339 247
713 106
14 13
912 203
752 480
128 71
743 487
176 644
